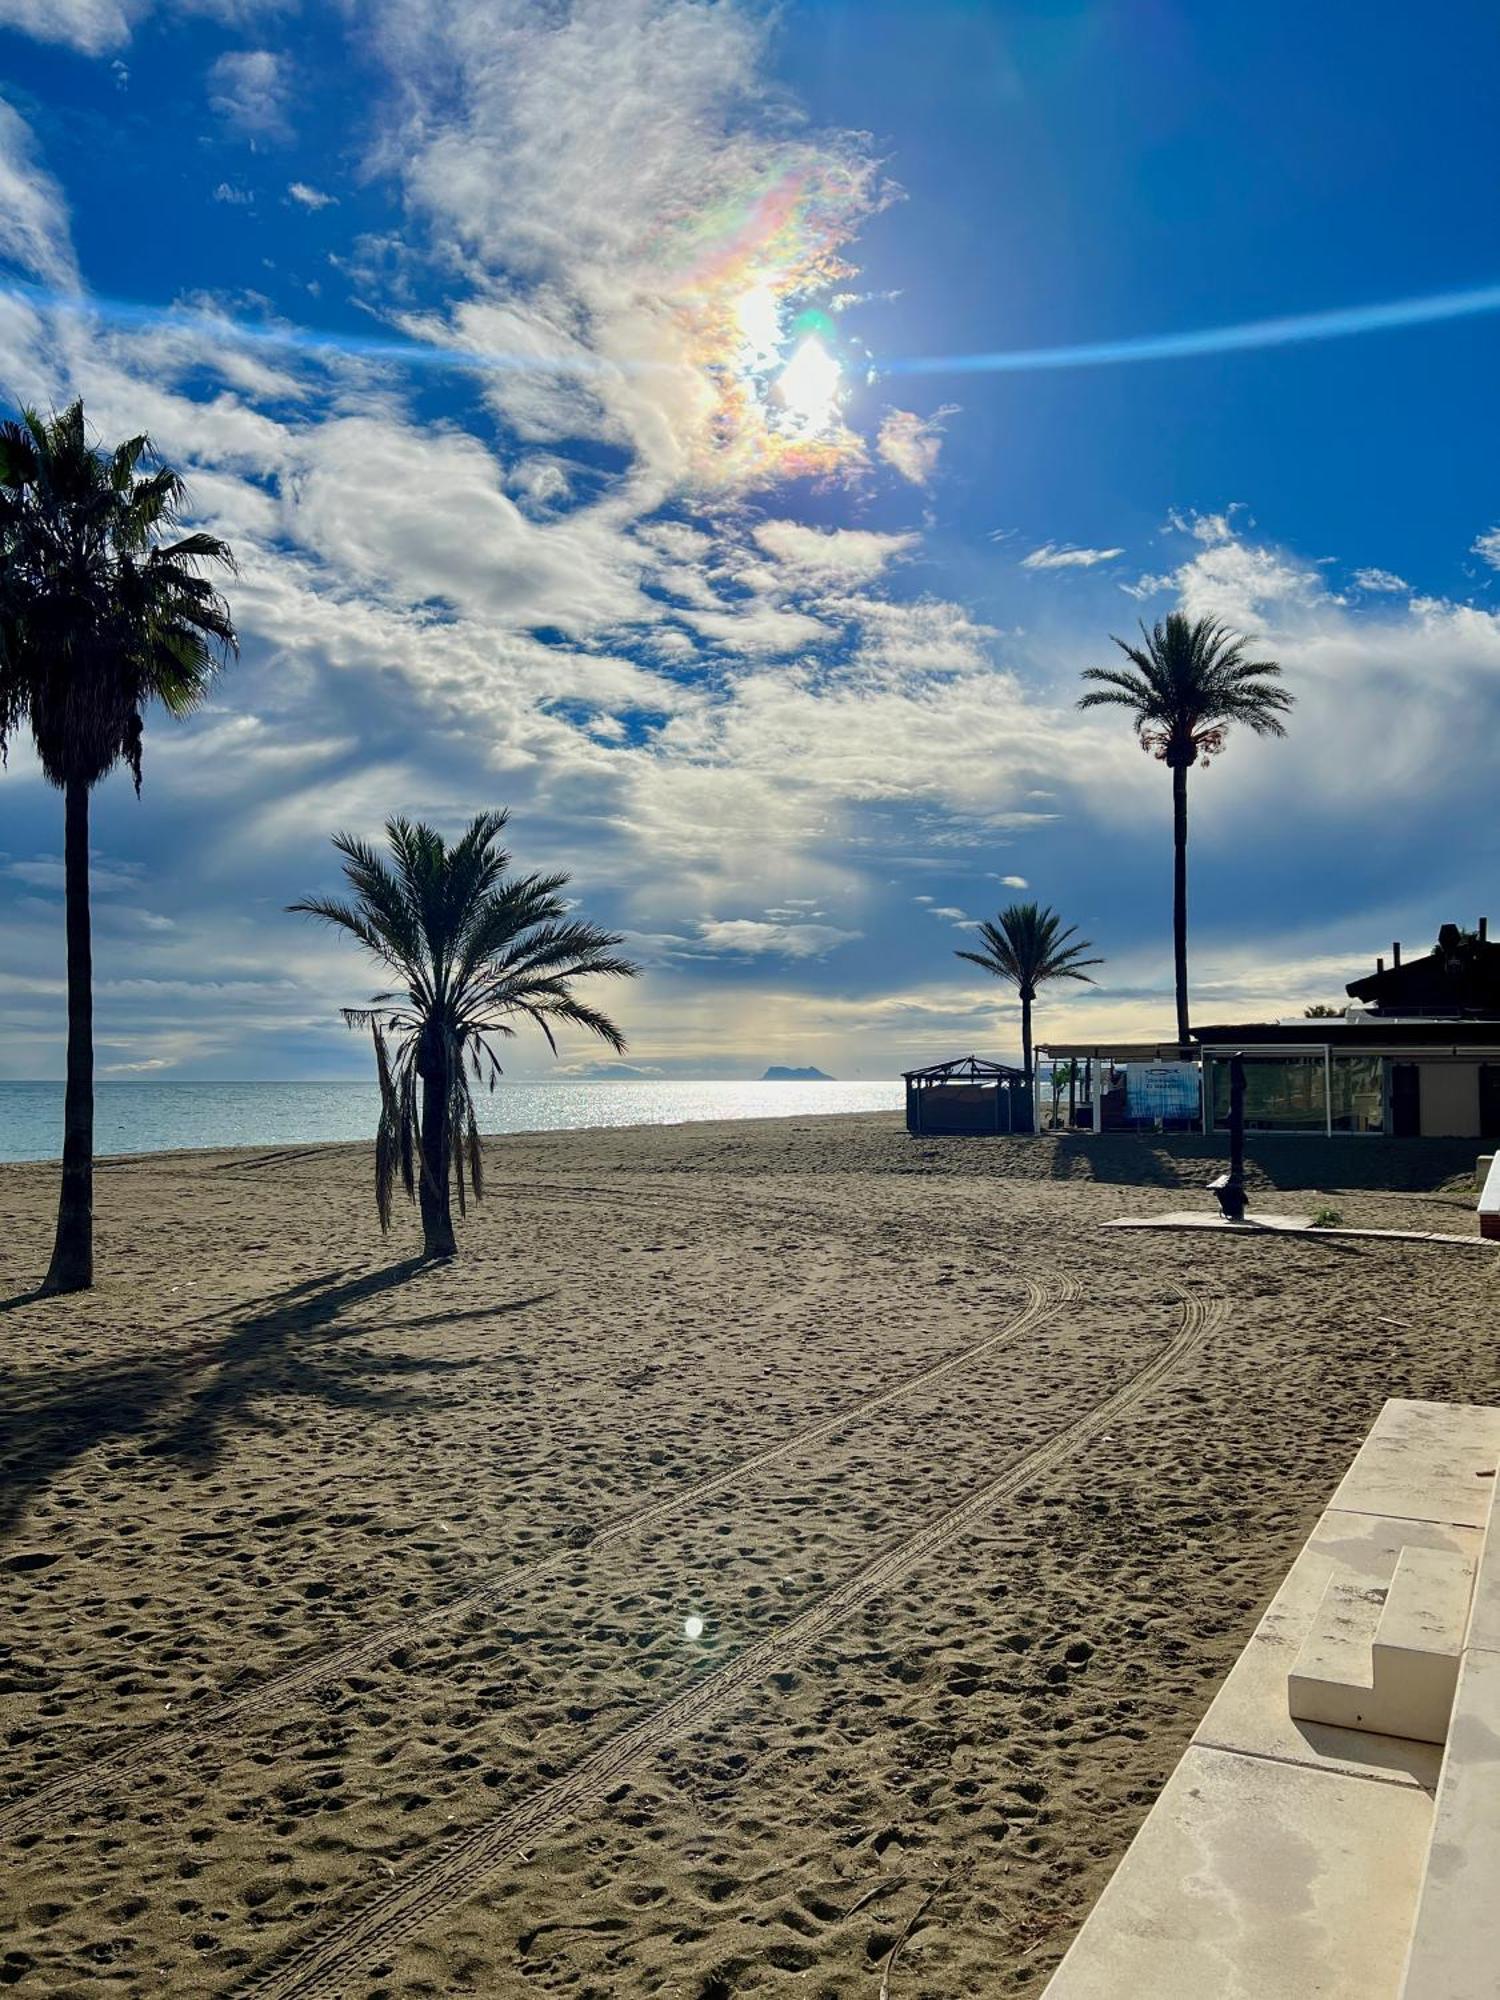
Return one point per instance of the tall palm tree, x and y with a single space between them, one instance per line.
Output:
1186 683
104 608
472 949
1028 946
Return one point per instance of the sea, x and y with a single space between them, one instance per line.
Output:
170 1117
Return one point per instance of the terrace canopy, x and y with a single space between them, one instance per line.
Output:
967 1095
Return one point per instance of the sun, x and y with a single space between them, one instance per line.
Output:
808 390
780 372
799 391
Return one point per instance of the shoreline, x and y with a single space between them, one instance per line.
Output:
1396 1167
289 1109
275 1149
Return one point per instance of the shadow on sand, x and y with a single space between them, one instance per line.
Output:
1273 1160
182 1402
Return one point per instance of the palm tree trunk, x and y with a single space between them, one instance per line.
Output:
72 1267
432 1189
1026 1063
1179 895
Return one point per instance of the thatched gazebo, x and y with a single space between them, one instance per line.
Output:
967 1095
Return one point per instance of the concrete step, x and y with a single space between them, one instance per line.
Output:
1387 1661
1455 1942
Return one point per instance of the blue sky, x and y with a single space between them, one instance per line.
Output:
559 374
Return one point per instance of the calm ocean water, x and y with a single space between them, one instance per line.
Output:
164 1117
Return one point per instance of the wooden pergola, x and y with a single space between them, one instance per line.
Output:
967 1094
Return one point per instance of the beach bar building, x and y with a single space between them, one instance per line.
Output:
1415 1055
965 1096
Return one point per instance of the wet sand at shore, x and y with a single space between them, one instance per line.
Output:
350 1608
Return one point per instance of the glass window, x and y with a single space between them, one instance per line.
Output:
1357 1094
1282 1094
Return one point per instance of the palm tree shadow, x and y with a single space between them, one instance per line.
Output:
293 1348
18 1299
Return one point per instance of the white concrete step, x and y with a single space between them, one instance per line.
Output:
1455 1943
1284 1860
1387 1661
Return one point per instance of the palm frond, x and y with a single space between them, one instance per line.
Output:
99 616
476 950
1028 946
1188 680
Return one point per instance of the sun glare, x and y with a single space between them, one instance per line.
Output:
808 389
759 317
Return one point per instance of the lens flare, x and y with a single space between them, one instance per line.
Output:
1246 336
758 316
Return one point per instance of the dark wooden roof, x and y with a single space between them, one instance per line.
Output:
965 1069
1436 1034
1459 977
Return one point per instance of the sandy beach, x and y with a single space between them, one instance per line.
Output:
350 1640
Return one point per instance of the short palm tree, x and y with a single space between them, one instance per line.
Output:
1028 946
473 949
104 608
1186 683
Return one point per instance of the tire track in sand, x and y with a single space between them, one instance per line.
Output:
88 1781
327 1964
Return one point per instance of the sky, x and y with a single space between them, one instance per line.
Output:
722 435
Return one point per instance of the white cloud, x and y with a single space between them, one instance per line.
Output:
88 25
1014 882
248 89
311 197
1066 556
234 197
592 237
95 26
748 937
33 215
832 555
542 480
1242 582
911 444
760 629
1380 582
1487 547
421 513
1433 663
45 871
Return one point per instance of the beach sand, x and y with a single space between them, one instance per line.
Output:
344 1602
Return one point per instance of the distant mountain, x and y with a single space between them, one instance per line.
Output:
608 1072
779 1074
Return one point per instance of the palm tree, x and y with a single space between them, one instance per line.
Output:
1185 685
472 948
103 609
1028 946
